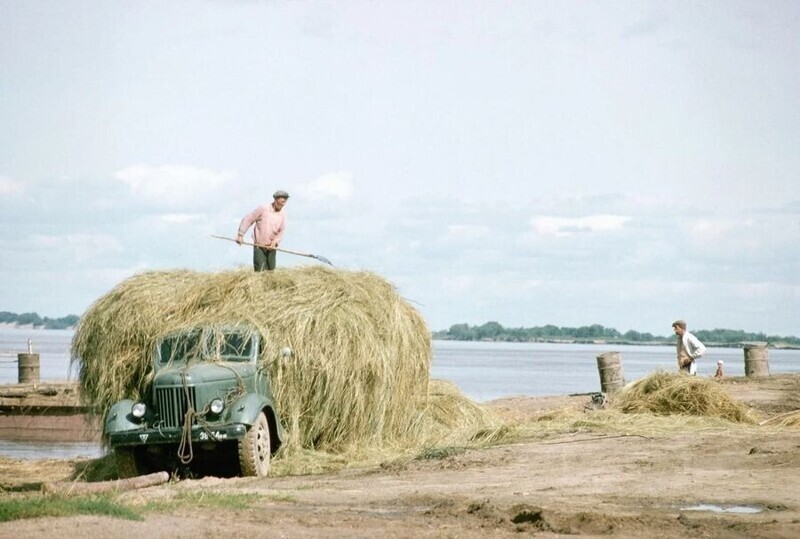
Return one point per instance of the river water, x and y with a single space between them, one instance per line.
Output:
489 370
483 370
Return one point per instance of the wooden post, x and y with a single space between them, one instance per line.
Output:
756 360
609 364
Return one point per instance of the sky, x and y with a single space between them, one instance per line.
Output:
623 163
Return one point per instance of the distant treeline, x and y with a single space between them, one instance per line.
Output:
33 319
493 331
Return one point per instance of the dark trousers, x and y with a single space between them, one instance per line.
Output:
263 259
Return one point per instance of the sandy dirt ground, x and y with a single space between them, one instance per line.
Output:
726 483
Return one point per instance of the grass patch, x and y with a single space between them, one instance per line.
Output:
59 506
204 500
281 498
39 505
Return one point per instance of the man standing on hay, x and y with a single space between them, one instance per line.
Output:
270 222
689 347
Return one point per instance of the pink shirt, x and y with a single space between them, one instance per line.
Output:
270 224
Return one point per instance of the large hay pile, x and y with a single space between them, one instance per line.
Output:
665 393
358 374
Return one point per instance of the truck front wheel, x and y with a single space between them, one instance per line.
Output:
255 448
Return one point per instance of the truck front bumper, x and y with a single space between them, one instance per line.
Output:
148 436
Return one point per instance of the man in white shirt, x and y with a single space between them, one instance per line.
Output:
689 347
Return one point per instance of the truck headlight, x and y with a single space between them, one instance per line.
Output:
216 406
138 410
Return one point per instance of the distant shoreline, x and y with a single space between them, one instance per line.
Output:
6 325
774 346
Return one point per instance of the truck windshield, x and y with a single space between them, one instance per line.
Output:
205 346
236 347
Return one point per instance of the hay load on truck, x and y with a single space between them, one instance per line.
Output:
357 379
209 405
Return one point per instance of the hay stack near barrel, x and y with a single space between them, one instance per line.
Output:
665 393
360 359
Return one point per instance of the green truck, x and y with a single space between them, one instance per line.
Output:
209 406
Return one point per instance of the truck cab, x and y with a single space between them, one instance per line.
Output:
209 405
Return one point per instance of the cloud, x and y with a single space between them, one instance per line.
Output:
768 237
459 284
568 226
332 184
181 218
645 26
711 230
9 186
174 186
468 233
79 247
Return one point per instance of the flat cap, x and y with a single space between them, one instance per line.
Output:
679 323
280 194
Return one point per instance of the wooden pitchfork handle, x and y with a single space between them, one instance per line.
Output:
309 255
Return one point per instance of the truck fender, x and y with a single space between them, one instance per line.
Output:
246 409
119 418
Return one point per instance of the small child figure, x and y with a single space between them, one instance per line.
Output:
719 374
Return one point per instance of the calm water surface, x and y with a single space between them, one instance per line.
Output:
51 345
488 370
483 370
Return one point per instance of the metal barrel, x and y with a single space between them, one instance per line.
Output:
28 368
609 365
756 361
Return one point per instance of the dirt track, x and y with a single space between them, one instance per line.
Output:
584 485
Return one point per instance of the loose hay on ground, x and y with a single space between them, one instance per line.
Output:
452 418
665 393
448 422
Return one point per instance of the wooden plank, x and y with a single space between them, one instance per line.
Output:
50 428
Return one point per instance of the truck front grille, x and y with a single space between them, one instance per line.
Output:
173 404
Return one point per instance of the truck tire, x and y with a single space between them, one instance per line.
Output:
128 464
255 449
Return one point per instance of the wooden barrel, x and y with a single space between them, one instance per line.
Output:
28 368
756 360
609 364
